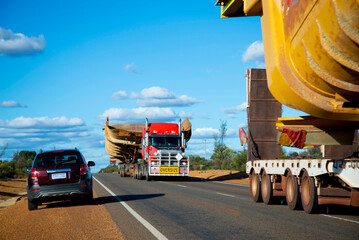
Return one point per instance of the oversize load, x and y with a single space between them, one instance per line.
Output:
169 170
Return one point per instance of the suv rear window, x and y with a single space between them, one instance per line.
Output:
57 158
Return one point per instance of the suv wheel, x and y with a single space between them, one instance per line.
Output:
89 198
31 206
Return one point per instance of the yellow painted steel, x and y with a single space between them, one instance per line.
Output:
311 53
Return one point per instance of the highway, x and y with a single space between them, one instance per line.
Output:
197 209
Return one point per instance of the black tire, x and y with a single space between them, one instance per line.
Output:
255 187
308 192
89 198
267 188
140 175
292 192
148 177
31 205
135 172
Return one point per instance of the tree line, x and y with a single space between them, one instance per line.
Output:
17 167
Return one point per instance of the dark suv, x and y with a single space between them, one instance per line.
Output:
59 175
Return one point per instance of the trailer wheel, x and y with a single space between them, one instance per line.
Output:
292 193
267 188
255 187
139 174
309 193
134 174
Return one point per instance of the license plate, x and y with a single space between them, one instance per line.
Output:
169 170
58 176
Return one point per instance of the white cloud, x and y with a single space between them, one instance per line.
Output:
205 132
161 97
231 133
11 104
210 132
47 133
139 114
119 95
155 92
255 52
243 125
41 122
198 141
183 100
131 67
16 44
231 111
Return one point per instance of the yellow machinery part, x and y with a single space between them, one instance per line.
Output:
311 52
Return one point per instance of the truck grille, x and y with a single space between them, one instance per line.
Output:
166 158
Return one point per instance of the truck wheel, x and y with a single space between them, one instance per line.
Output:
292 193
308 192
139 175
148 177
255 187
31 205
267 188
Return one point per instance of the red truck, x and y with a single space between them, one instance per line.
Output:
161 146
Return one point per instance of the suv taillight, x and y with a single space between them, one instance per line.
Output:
83 169
34 175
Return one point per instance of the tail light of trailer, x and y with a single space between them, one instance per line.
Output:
183 163
153 163
83 169
34 176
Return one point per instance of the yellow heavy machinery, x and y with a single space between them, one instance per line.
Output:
312 64
311 52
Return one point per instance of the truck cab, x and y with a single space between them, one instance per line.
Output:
163 150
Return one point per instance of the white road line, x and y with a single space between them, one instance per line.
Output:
343 219
146 224
233 184
228 195
181 185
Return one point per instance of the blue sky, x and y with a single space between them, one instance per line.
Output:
66 65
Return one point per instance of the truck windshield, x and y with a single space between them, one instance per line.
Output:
165 142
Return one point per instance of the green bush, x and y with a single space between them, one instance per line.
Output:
109 169
7 169
21 161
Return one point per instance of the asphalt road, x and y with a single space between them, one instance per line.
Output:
211 210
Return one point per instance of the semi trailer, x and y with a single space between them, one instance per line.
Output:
149 150
312 64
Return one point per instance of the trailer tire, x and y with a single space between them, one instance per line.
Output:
255 187
308 192
292 192
267 188
134 174
140 174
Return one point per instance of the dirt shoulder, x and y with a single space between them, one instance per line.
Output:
57 220
69 219
222 175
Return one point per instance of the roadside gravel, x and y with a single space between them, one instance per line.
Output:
69 219
59 220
